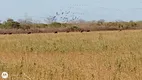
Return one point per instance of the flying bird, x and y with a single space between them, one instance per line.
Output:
57 13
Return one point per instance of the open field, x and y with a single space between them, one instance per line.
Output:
100 55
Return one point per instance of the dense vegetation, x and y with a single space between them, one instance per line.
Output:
11 26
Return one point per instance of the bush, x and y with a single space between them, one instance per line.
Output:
64 24
16 25
1 26
25 26
132 24
55 24
42 25
100 22
10 23
74 28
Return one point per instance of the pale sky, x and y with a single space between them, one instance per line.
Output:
86 9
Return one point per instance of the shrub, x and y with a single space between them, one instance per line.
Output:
132 24
10 23
16 25
74 28
55 24
64 24
25 26
41 25
100 22
1 25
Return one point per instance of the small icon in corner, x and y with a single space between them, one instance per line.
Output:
4 75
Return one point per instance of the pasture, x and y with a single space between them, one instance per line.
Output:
98 55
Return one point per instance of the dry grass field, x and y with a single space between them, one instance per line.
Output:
104 55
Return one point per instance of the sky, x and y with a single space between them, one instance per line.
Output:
109 10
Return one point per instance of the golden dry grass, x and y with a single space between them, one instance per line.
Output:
111 55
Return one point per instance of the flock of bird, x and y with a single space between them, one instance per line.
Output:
72 13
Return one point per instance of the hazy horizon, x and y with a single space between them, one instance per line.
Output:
109 10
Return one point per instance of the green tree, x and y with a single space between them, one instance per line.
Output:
10 23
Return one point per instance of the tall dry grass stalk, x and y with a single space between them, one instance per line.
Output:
102 55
